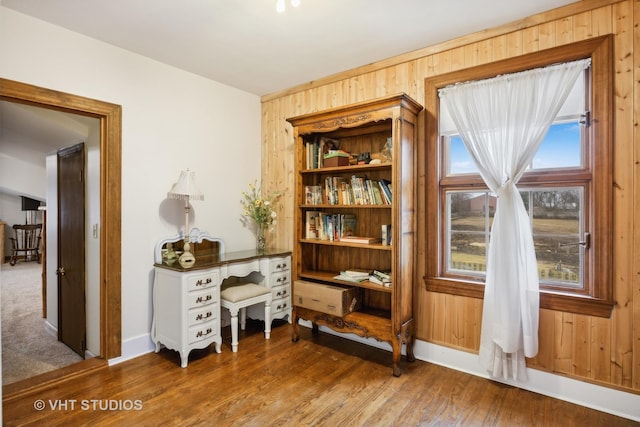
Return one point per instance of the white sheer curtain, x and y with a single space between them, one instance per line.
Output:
502 122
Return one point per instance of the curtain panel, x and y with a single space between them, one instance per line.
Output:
503 121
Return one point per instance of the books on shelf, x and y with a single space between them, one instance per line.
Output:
354 275
313 194
361 239
315 151
312 223
385 187
380 278
357 273
325 226
355 190
386 234
360 275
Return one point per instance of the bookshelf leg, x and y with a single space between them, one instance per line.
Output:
409 339
295 327
396 347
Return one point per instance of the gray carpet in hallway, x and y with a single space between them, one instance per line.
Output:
28 349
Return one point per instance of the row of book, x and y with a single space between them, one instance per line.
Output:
378 277
356 190
315 151
340 227
325 226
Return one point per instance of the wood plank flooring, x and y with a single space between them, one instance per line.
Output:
322 380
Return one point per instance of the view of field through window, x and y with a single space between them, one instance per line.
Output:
556 213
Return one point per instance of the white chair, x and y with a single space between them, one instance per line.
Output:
236 298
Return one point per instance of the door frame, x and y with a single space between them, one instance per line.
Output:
110 116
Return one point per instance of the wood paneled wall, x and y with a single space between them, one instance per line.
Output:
599 350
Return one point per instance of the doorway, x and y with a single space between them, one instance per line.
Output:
110 116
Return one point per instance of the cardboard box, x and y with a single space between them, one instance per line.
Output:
335 161
330 299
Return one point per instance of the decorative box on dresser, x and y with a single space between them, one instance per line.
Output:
186 301
388 128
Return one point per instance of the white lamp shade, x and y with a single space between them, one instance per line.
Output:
186 188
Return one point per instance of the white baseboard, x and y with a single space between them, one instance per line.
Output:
134 347
50 329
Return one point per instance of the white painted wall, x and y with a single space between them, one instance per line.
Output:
171 120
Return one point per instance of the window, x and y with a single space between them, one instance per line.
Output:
566 190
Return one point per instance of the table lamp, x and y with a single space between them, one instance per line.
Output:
185 189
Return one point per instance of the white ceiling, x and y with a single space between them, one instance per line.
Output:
248 45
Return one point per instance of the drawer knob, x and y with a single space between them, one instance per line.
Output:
202 334
204 316
200 300
205 282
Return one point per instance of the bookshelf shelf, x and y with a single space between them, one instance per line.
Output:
375 200
347 169
369 246
329 277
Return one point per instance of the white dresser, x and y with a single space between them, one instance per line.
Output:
186 302
186 310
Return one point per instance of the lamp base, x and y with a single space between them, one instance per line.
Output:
187 260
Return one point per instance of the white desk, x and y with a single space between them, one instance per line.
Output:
186 302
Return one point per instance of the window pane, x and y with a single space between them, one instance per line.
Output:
470 216
459 160
561 147
556 219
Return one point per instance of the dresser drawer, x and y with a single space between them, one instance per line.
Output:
280 279
203 332
280 264
201 298
280 305
203 314
283 291
203 281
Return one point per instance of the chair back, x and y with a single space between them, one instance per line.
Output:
27 236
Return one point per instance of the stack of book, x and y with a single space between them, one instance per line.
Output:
380 278
354 275
360 239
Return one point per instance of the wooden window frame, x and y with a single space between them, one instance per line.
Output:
599 298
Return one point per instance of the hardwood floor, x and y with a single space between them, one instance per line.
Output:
320 380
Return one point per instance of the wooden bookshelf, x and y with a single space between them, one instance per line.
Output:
387 312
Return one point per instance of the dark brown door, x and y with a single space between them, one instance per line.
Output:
71 248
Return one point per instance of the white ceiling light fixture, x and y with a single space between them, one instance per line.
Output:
281 7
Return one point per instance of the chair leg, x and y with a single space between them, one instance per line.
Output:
243 318
234 330
267 320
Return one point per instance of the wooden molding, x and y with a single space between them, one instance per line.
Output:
110 116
